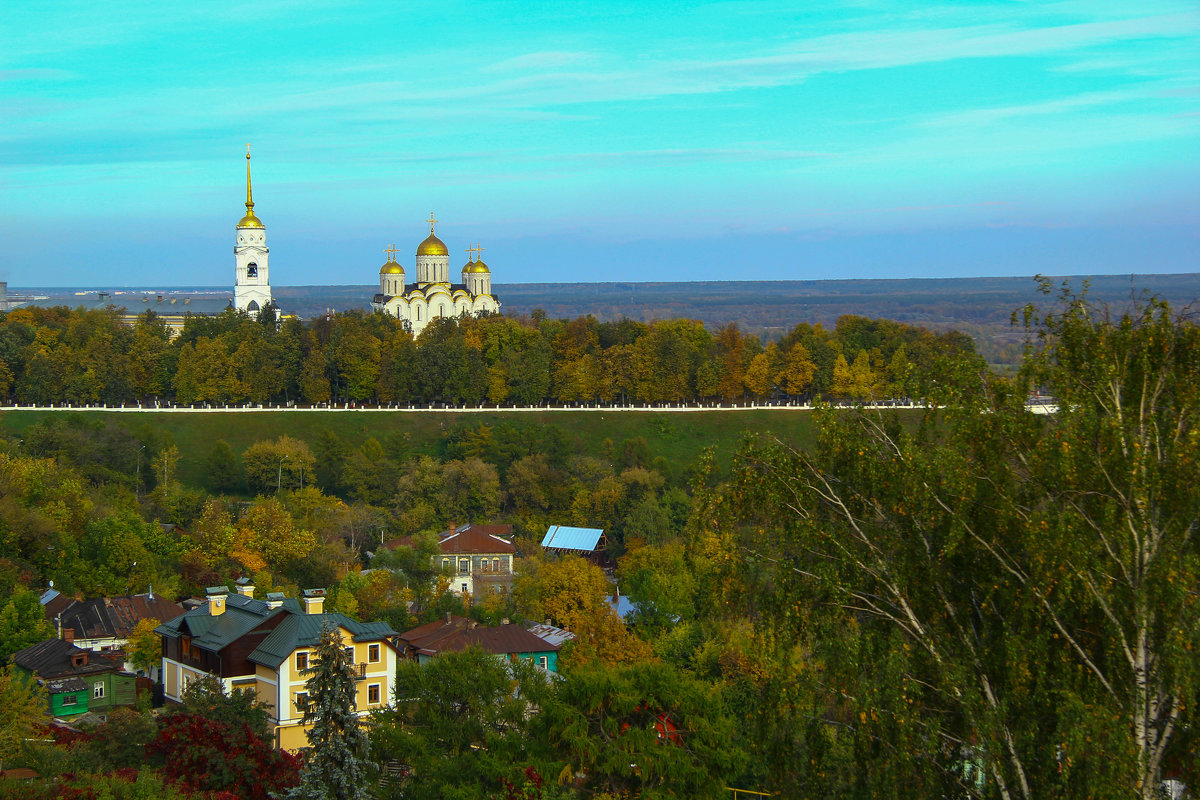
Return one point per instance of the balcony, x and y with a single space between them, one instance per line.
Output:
360 671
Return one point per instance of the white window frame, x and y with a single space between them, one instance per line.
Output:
378 689
98 691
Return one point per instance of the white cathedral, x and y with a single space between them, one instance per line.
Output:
434 295
252 284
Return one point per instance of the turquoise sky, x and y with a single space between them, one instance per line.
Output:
600 141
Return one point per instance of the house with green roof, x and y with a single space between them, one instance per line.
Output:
264 646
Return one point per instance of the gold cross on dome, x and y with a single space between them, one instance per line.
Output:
432 222
474 251
391 252
478 250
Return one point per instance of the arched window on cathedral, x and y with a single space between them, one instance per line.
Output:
253 306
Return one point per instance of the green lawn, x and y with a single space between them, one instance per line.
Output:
677 436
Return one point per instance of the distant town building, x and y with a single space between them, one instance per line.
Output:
434 295
454 634
589 543
104 624
477 558
77 680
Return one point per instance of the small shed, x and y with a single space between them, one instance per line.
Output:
590 543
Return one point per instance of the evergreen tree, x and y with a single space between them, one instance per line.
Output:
336 765
224 473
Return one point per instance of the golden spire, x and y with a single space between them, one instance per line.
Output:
249 194
249 221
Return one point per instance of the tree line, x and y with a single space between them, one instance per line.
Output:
59 355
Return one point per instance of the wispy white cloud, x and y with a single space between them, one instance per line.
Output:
1063 105
544 60
35 74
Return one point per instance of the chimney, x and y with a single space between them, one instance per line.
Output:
216 599
245 587
274 599
68 635
314 601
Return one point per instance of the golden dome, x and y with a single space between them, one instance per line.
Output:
391 268
432 246
250 221
477 267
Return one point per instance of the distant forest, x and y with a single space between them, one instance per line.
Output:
979 307
79 356
982 308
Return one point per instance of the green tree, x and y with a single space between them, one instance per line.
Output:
644 730
660 581
145 646
22 709
283 463
336 765
459 723
22 623
222 473
1029 581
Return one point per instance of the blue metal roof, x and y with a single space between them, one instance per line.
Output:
562 537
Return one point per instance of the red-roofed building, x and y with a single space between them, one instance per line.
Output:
478 558
454 634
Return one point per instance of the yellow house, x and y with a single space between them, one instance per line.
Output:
264 646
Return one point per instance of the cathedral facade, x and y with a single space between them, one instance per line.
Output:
433 295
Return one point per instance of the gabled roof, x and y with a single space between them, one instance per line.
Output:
562 537
108 617
241 615
53 659
470 538
474 540
304 630
459 633
431 632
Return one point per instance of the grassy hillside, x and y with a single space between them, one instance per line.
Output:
678 437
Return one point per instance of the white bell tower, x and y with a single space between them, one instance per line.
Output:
252 284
